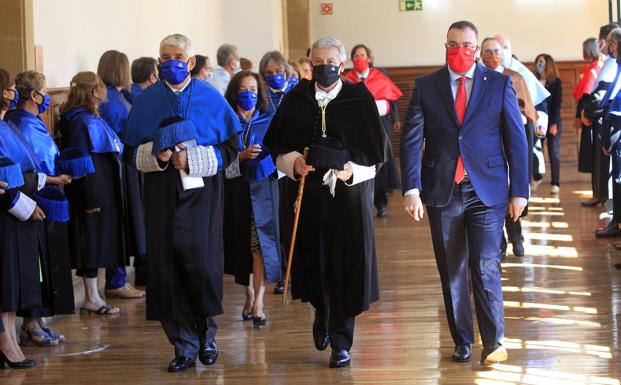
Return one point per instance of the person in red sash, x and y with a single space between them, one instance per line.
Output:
385 93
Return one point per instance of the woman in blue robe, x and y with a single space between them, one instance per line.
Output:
276 72
96 227
56 282
251 233
114 71
19 241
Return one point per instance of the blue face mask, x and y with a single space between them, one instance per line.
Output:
13 103
247 100
276 81
174 71
45 104
540 67
293 81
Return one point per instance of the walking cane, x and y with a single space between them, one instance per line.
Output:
297 206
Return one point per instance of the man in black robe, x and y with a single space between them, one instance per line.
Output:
334 267
183 194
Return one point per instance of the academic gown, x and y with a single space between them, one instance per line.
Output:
57 283
20 244
253 192
382 88
335 247
115 112
95 240
184 228
589 75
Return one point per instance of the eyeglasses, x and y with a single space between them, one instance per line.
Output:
489 51
467 45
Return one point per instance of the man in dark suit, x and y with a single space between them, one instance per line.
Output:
464 156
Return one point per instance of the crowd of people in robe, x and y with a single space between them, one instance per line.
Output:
194 170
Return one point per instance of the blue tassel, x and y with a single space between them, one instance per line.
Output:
74 162
53 203
170 135
11 173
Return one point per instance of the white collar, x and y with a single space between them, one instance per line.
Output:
280 90
469 74
174 90
364 74
323 97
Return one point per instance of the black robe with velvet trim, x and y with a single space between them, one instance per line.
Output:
335 247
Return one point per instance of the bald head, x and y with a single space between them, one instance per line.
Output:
507 50
504 42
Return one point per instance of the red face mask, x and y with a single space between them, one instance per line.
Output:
460 59
361 64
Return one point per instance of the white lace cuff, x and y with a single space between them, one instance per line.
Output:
145 160
360 173
202 161
42 178
233 171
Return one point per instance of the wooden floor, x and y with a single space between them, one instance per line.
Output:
563 310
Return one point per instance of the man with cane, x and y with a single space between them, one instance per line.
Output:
334 265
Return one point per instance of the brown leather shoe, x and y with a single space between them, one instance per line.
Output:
125 292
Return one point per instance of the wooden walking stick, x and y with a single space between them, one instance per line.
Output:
297 206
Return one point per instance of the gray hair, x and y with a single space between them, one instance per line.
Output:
225 53
275 56
180 41
590 48
330 42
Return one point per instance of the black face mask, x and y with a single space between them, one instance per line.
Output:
326 74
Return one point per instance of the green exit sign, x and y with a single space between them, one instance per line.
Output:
410 5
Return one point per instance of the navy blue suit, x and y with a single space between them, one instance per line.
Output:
467 219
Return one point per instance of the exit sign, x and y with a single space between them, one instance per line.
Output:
410 5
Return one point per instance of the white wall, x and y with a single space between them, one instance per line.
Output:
557 27
74 33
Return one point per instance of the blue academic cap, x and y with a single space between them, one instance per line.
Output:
54 204
11 173
75 162
171 132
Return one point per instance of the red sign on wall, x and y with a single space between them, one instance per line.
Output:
326 8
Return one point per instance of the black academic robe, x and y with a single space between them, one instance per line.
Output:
96 240
20 287
335 247
185 244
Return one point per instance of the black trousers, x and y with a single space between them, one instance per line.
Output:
466 241
340 326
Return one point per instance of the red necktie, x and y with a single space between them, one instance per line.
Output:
460 107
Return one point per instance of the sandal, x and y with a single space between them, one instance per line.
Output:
103 310
36 338
53 334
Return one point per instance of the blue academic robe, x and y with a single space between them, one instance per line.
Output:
275 98
184 228
115 110
37 134
96 240
20 288
54 258
253 193
136 90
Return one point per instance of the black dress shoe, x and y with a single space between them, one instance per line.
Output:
181 364
609 231
617 266
257 322
462 353
339 358
280 288
320 331
518 249
208 353
590 203
493 354
382 212
246 316
25 364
